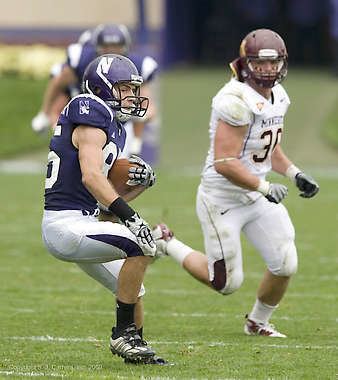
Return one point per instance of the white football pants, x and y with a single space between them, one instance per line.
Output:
98 248
266 225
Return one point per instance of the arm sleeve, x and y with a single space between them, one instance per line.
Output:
232 110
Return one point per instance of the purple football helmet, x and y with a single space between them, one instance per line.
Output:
103 78
112 34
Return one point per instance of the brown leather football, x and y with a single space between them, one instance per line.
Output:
118 176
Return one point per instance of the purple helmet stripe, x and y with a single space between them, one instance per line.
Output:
125 244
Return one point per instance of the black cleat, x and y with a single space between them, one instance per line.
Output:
130 346
154 360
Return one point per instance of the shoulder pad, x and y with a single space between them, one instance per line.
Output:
231 108
79 56
149 68
74 52
256 103
87 109
146 66
281 95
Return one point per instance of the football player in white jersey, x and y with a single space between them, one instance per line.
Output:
246 127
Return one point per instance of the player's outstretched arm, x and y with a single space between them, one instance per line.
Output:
139 122
55 87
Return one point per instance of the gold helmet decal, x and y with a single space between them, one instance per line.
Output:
242 48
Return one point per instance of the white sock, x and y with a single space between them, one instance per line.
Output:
261 312
178 250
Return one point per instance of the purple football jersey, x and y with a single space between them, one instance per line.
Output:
63 188
79 57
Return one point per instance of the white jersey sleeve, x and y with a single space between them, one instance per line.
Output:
149 66
74 52
231 109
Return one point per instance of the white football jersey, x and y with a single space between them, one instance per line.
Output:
238 104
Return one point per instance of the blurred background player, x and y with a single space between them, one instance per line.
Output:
87 140
65 82
246 127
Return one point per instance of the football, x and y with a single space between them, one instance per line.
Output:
118 177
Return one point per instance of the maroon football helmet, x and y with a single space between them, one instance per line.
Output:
259 46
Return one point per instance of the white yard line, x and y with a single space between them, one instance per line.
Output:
34 166
51 339
171 315
22 166
324 172
174 292
183 293
302 277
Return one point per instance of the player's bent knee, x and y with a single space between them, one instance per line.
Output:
234 282
289 263
226 281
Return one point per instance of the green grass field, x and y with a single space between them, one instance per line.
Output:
55 321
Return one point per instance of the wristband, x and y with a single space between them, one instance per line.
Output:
121 209
263 187
292 171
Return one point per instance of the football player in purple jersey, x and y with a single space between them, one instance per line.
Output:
88 138
66 82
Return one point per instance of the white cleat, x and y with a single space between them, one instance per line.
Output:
162 235
255 328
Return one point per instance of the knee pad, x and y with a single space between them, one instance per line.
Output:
289 261
234 281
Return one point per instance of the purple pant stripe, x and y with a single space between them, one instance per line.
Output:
127 245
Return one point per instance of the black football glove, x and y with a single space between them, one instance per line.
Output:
307 185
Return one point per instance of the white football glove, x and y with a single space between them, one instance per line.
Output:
143 174
273 192
41 122
141 230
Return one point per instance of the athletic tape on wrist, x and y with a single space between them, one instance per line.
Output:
121 209
263 187
292 171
